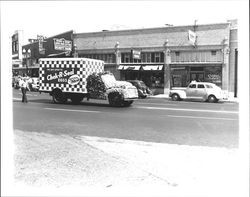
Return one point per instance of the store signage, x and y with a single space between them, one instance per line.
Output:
62 44
192 37
40 44
136 54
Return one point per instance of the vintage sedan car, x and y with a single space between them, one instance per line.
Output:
143 90
198 90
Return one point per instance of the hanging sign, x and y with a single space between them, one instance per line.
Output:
40 44
192 37
136 54
62 44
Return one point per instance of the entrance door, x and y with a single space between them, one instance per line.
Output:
197 76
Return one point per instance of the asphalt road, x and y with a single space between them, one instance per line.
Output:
151 120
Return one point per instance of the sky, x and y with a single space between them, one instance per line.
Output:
50 18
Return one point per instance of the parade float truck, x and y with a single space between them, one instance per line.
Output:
78 78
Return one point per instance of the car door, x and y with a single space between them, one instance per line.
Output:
191 91
201 91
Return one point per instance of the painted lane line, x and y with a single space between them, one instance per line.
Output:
28 94
193 110
72 110
157 104
200 117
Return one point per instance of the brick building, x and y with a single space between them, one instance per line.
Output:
169 56
60 45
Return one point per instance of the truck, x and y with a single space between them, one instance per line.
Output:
79 78
198 90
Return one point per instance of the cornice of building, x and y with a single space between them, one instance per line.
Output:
199 27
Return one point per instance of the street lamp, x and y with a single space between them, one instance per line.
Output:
26 54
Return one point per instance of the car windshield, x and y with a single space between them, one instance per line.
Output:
209 86
142 84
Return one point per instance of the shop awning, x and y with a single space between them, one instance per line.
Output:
152 67
129 67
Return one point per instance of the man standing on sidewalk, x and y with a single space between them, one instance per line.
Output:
24 87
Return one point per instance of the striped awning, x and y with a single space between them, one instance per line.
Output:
129 67
152 67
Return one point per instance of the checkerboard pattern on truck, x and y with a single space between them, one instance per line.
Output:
83 68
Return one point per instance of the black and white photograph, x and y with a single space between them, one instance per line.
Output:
125 98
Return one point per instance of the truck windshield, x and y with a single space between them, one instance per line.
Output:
108 80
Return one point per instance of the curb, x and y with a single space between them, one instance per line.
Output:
162 96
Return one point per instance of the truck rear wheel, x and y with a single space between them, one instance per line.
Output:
76 99
59 96
115 99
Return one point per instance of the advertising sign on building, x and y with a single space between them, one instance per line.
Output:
40 44
62 44
192 37
136 54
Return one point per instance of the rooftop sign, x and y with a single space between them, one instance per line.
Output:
62 44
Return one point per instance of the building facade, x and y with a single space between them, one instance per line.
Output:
16 45
167 57
60 45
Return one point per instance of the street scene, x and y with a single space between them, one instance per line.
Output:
94 145
124 99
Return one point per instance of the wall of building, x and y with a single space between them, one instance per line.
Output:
209 55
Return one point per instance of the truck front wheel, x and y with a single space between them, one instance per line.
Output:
127 103
115 99
76 99
59 96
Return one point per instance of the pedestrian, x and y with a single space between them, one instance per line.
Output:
24 88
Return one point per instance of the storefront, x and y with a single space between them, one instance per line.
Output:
181 76
151 75
164 57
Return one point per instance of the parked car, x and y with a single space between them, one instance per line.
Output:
198 90
143 90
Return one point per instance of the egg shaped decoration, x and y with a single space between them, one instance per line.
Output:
73 80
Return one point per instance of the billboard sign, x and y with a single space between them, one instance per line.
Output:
62 44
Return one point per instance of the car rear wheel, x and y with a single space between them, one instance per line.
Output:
212 99
175 97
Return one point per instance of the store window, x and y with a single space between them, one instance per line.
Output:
157 57
213 52
125 58
179 77
213 74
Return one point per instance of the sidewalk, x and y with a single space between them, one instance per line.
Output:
94 166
